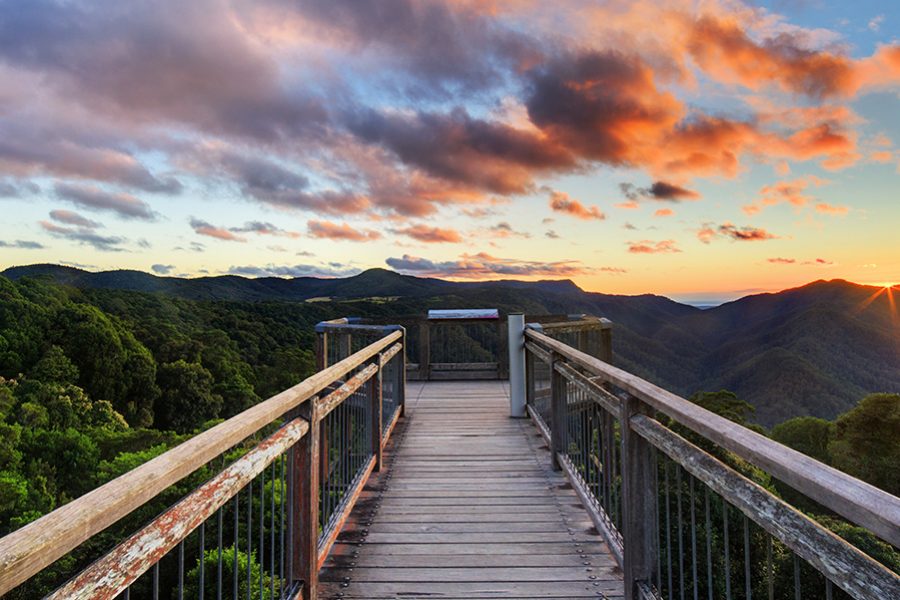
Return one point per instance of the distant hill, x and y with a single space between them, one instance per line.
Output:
812 350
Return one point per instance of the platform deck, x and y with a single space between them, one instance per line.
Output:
468 506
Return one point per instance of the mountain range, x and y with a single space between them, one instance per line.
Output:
812 350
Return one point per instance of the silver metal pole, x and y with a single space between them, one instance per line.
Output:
516 329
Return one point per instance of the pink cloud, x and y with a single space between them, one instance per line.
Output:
342 231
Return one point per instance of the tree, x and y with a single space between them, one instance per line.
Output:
211 564
809 435
187 399
866 441
55 367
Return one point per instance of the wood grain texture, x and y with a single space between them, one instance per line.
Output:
468 506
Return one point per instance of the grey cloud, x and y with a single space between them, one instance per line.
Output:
16 189
73 218
22 244
162 269
124 205
85 237
301 270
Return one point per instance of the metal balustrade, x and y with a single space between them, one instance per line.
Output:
259 528
671 486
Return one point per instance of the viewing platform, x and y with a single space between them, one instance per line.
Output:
475 457
468 507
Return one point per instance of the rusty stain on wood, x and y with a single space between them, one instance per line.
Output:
338 396
385 357
109 576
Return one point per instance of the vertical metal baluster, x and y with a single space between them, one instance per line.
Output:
272 536
709 562
828 589
155 581
234 547
291 524
747 582
181 570
249 539
797 594
604 444
202 533
770 575
128 593
615 475
281 529
680 532
727 549
659 540
693 541
219 578
262 528
668 534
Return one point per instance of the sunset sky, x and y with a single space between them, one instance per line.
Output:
705 150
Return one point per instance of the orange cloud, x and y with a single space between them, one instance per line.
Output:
334 231
722 48
709 232
790 192
201 227
561 202
650 247
830 209
430 235
664 212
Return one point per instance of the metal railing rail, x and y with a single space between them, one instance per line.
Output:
681 522
274 512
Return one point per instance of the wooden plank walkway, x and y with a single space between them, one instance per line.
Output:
468 506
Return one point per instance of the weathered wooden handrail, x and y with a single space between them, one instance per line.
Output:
28 550
855 571
855 500
607 443
106 578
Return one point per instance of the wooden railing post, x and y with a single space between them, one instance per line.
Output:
639 492
400 383
306 490
557 411
606 353
346 345
425 350
376 411
321 350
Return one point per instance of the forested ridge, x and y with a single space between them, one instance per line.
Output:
812 350
95 381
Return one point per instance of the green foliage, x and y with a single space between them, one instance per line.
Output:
725 404
211 565
866 441
809 435
187 399
55 367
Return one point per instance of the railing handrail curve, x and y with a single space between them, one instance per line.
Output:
28 550
855 500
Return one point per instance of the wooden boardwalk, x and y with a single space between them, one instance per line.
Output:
467 506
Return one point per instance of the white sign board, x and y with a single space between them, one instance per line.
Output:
464 313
